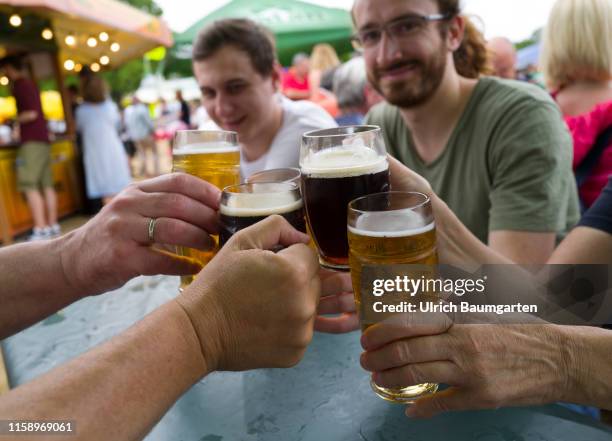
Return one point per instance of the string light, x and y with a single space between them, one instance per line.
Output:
103 36
92 42
95 67
115 47
78 67
69 64
104 60
4 81
15 20
70 40
47 34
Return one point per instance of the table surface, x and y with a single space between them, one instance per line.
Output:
325 397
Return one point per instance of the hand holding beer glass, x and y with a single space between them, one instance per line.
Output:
339 165
211 155
389 229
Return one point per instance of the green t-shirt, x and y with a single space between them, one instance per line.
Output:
507 164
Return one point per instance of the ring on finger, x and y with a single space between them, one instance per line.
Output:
151 230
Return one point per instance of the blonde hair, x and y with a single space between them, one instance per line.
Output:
577 44
323 57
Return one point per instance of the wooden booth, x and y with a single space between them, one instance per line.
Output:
58 38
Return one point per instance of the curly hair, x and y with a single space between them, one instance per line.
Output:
472 57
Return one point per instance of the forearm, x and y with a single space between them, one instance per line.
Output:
584 245
33 284
523 247
121 389
26 117
589 369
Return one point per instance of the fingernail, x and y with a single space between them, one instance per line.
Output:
363 361
364 342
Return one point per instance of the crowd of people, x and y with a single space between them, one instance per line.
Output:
501 160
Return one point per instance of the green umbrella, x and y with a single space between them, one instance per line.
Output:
297 25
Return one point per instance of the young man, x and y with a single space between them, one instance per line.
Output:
497 152
34 176
235 65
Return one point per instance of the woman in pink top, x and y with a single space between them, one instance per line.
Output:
585 129
577 65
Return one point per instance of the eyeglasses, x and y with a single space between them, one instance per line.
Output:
399 29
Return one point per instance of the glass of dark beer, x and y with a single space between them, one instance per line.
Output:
246 204
339 165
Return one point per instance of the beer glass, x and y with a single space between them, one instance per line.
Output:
246 204
214 156
276 175
339 165
390 229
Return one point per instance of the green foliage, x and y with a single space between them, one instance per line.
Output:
525 43
176 67
535 37
126 79
145 5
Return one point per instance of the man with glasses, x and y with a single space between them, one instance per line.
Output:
496 151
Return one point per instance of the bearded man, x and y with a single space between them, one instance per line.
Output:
496 151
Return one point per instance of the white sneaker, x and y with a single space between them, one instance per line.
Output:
39 234
55 230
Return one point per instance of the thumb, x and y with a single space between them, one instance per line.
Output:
267 235
404 179
445 401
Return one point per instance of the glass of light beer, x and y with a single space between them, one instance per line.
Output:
246 204
390 229
339 165
214 156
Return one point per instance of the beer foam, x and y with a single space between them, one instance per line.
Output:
206 147
343 162
260 204
398 223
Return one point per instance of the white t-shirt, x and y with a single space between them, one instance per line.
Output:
298 117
